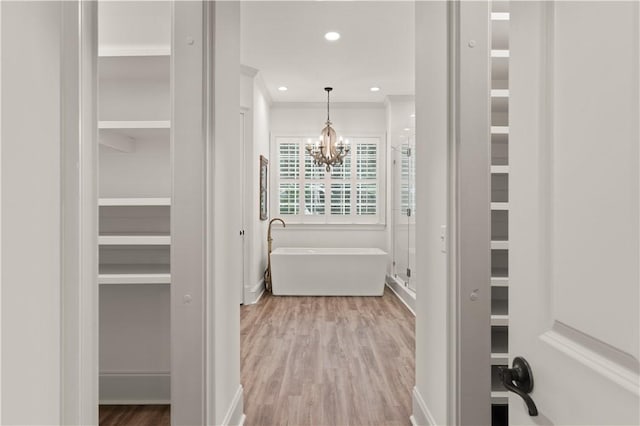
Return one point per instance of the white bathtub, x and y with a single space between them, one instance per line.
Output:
328 271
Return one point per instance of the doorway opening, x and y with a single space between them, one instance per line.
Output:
289 54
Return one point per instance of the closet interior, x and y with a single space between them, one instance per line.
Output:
499 49
134 111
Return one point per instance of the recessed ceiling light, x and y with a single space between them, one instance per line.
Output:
283 88
332 36
407 129
412 116
375 89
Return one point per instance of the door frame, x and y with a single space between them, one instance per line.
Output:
453 214
79 225
470 205
196 398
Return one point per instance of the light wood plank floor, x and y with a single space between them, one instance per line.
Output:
138 415
321 361
327 361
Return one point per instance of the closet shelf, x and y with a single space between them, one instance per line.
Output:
499 320
134 279
122 135
499 245
499 206
134 240
134 124
499 93
500 16
499 53
499 282
134 202
134 50
499 169
499 358
499 130
499 397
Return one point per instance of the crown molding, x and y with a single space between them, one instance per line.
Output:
334 105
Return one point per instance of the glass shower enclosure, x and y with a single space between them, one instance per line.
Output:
404 210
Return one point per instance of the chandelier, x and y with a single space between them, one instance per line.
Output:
328 150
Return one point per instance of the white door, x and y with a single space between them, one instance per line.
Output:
574 194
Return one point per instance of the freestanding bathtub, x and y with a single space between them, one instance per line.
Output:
328 271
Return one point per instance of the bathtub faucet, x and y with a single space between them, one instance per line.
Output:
267 272
269 239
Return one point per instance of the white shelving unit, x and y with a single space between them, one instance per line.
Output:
134 242
134 202
499 205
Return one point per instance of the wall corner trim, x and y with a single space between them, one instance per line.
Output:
421 415
235 414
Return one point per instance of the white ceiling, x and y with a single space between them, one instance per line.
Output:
285 42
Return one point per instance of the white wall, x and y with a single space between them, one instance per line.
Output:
309 119
432 362
145 172
227 221
256 103
31 212
261 132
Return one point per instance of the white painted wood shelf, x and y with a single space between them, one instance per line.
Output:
499 346
499 206
500 16
499 320
499 101
499 245
134 279
133 51
134 240
499 93
122 135
499 397
134 202
499 312
499 130
134 274
499 281
499 169
499 358
134 124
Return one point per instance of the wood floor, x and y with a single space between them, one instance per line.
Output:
327 361
138 415
321 361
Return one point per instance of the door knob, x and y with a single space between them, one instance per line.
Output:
519 380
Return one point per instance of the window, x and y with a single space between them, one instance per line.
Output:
349 194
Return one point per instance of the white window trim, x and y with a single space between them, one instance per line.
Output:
379 219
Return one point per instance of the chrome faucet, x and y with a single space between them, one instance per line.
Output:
267 272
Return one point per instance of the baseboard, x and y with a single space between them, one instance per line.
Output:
261 289
235 415
421 415
135 388
253 295
406 296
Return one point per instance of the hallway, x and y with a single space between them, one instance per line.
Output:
327 361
